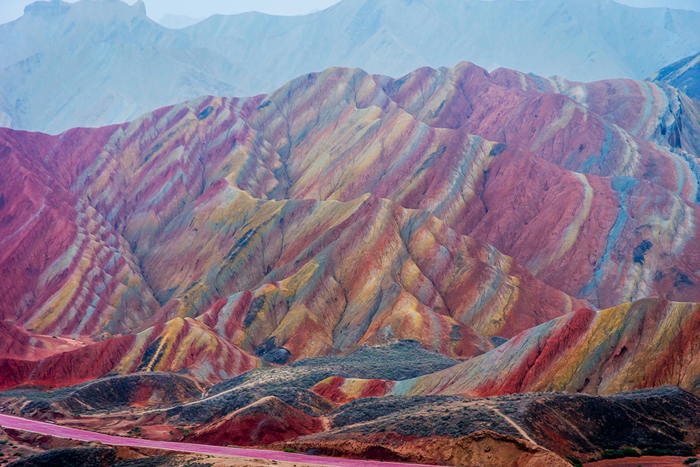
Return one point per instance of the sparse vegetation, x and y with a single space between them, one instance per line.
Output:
612 454
685 451
619 454
575 462
396 361
184 431
290 450
690 460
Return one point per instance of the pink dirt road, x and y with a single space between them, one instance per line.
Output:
18 423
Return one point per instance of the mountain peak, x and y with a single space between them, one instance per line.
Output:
47 8
52 8
140 5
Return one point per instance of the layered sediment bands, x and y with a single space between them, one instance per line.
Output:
346 209
608 240
484 448
609 128
108 393
67 368
304 140
187 346
362 272
267 421
683 75
645 344
65 268
343 390
17 342
180 345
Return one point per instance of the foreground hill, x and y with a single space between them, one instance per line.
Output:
274 405
646 344
129 64
442 430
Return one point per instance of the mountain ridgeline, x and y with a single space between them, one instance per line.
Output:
93 63
454 207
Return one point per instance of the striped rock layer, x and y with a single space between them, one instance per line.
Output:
184 346
346 209
640 345
682 74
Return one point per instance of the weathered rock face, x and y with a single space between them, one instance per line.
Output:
684 75
483 448
346 209
66 270
266 421
178 345
640 345
378 272
66 368
106 394
53 79
17 342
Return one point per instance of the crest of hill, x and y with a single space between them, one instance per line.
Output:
96 63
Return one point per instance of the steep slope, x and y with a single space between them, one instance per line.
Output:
64 65
608 128
376 272
17 342
126 178
467 99
348 209
73 273
266 421
361 126
103 58
179 345
634 346
226 232
683 74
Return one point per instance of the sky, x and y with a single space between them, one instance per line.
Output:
156 9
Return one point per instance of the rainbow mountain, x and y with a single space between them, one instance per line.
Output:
455 207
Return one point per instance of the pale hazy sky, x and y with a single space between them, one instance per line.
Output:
12 9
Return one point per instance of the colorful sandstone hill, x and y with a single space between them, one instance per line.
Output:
447 207
645 344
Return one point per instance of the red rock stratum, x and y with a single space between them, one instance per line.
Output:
447 206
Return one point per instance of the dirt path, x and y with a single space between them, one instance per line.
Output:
514 425
18 423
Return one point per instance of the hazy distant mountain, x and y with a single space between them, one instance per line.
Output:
98 62
677 4
578 39
684 75
95 63
178 21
